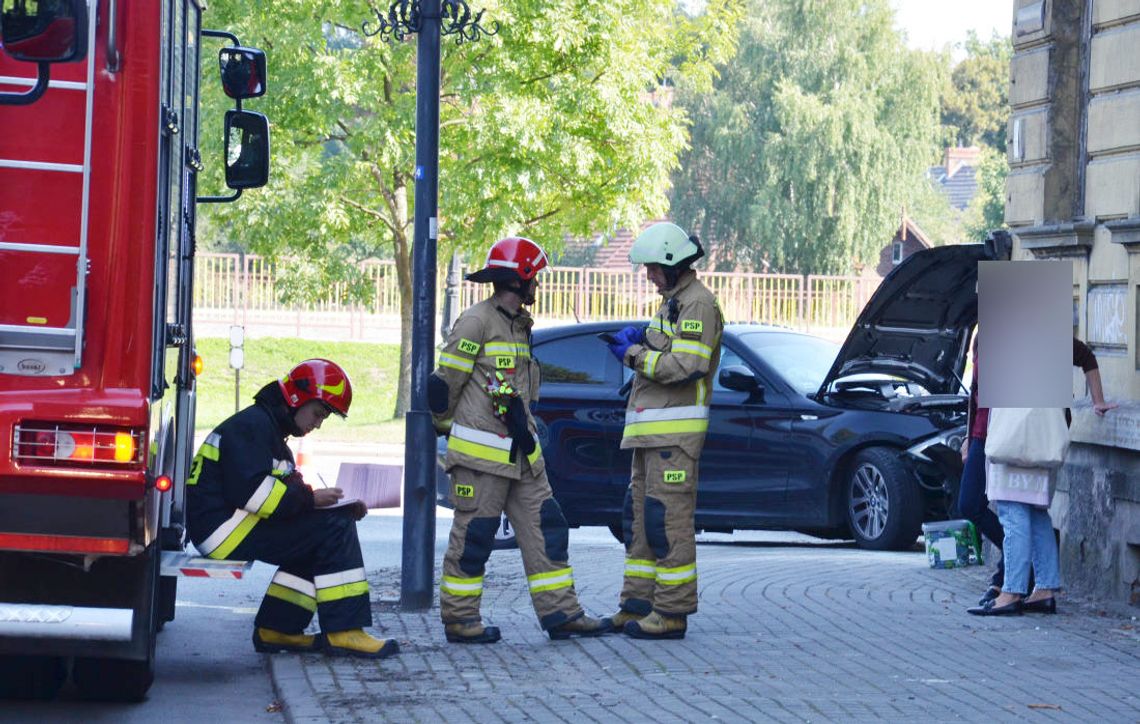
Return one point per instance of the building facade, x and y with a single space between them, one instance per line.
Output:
1073 192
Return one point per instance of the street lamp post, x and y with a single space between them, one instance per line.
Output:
430 19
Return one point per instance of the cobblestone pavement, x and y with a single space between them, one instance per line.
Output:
784 633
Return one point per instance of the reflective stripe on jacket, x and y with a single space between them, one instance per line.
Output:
238 479
486 340
673 369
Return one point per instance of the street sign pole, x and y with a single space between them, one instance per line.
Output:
430 19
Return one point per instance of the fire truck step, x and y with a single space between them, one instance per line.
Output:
175 563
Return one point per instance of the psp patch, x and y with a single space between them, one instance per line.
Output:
504 362
465 491
692 327
466 346
674 476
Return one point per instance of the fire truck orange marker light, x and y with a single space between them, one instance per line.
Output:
37 320
124 447
163 483
198 365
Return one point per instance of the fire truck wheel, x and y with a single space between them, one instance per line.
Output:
113 679
31 677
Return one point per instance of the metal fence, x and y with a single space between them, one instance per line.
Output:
244 289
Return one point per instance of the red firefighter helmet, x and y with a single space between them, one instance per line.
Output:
318 379
512 258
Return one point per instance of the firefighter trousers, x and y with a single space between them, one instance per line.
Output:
320 570
543 537
657 526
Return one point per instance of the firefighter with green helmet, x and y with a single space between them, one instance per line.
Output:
480 395
673 360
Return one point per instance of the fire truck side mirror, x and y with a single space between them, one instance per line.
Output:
247 150
44 32
243 72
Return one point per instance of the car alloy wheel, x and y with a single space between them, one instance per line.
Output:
884 506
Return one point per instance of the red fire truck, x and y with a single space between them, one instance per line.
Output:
98 186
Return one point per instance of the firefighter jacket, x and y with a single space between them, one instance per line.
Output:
242 475
486 340
673 369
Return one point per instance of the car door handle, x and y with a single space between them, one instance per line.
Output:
809 417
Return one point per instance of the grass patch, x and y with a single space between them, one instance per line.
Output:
373 369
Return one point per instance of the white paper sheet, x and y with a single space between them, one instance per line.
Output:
378 486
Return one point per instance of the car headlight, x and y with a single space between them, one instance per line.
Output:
951 438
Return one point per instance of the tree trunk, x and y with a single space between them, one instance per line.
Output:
403 258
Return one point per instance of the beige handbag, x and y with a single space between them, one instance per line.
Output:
1027 437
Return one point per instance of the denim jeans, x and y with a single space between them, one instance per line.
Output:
973 504
1028 536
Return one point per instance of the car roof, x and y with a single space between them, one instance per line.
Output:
559 331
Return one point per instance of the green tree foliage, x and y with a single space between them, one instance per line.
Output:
815 137
550 127
987 210
975 104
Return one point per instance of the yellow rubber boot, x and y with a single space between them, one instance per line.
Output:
356 642
268 641
657 626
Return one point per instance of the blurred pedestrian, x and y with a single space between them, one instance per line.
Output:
1023 529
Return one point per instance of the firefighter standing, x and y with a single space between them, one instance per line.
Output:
247 501
481 395
673 360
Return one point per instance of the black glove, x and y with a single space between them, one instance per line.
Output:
437 393
294 479
519 429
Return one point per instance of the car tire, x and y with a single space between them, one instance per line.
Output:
884 511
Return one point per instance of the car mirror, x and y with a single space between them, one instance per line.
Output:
247 149
739 378
243 72
54 32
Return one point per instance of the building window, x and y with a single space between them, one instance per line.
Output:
897 253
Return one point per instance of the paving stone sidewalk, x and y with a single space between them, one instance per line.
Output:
796 633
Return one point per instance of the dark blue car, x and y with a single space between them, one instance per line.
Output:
858 440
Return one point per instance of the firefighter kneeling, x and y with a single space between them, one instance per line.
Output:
247 501
481 394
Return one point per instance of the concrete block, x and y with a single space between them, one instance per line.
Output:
1112 187
1025 196
1108 11
1029 77
1115 61
1029 134
1109 128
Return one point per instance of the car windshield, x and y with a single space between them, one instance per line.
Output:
800 359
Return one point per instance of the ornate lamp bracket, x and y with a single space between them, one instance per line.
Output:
405 17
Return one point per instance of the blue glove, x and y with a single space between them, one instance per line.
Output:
625 339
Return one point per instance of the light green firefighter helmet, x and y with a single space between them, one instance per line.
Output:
666 244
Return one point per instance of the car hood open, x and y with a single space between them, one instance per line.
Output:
917 324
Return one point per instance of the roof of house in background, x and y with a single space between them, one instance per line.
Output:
910 231
957 176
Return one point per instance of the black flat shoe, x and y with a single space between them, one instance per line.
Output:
1043 605
989 609
990 594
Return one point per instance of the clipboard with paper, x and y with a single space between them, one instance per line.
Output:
377 486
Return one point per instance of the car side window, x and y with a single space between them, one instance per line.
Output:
582 359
